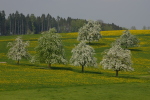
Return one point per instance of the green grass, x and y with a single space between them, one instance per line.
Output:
64 82
134 91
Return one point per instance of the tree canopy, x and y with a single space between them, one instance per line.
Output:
127 40
83 55
50 49
117 59
18 49
89 32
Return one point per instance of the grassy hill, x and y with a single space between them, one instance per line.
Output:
34 81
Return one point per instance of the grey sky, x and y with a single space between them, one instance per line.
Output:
125 13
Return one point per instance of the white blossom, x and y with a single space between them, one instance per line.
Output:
127 40
83 55
50 49
117 59
90 32
18 49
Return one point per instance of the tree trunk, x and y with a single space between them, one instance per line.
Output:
18 62
49 65
42 26
48 25
22 28
89 42
15 26
18 28
117 73
10 27
82 68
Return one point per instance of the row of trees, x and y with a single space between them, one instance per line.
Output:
144 28
18 23
50 50
117 58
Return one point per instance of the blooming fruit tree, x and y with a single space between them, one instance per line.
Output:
117 59
90 32
18 49
127 40
50 49
83 55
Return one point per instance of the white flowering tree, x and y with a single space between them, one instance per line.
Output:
117 59
18 49
90 32
50 49
83 55
128 40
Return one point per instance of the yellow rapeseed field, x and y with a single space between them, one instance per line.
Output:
119 32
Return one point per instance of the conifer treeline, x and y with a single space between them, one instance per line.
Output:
17 23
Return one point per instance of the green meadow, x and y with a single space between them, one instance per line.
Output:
28 81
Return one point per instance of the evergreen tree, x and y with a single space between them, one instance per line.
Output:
133 28
17 23
144 27
50 49
43 22
2 23
33 19
48 18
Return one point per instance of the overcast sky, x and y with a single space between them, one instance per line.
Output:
125 13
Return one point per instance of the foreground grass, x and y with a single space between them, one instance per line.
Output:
16 77
131 91
35 81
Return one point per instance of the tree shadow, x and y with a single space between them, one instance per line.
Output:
92 72
61 68
87 71
54 68
135 50
68 69
97 44
27 64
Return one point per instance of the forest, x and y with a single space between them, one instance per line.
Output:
18 23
